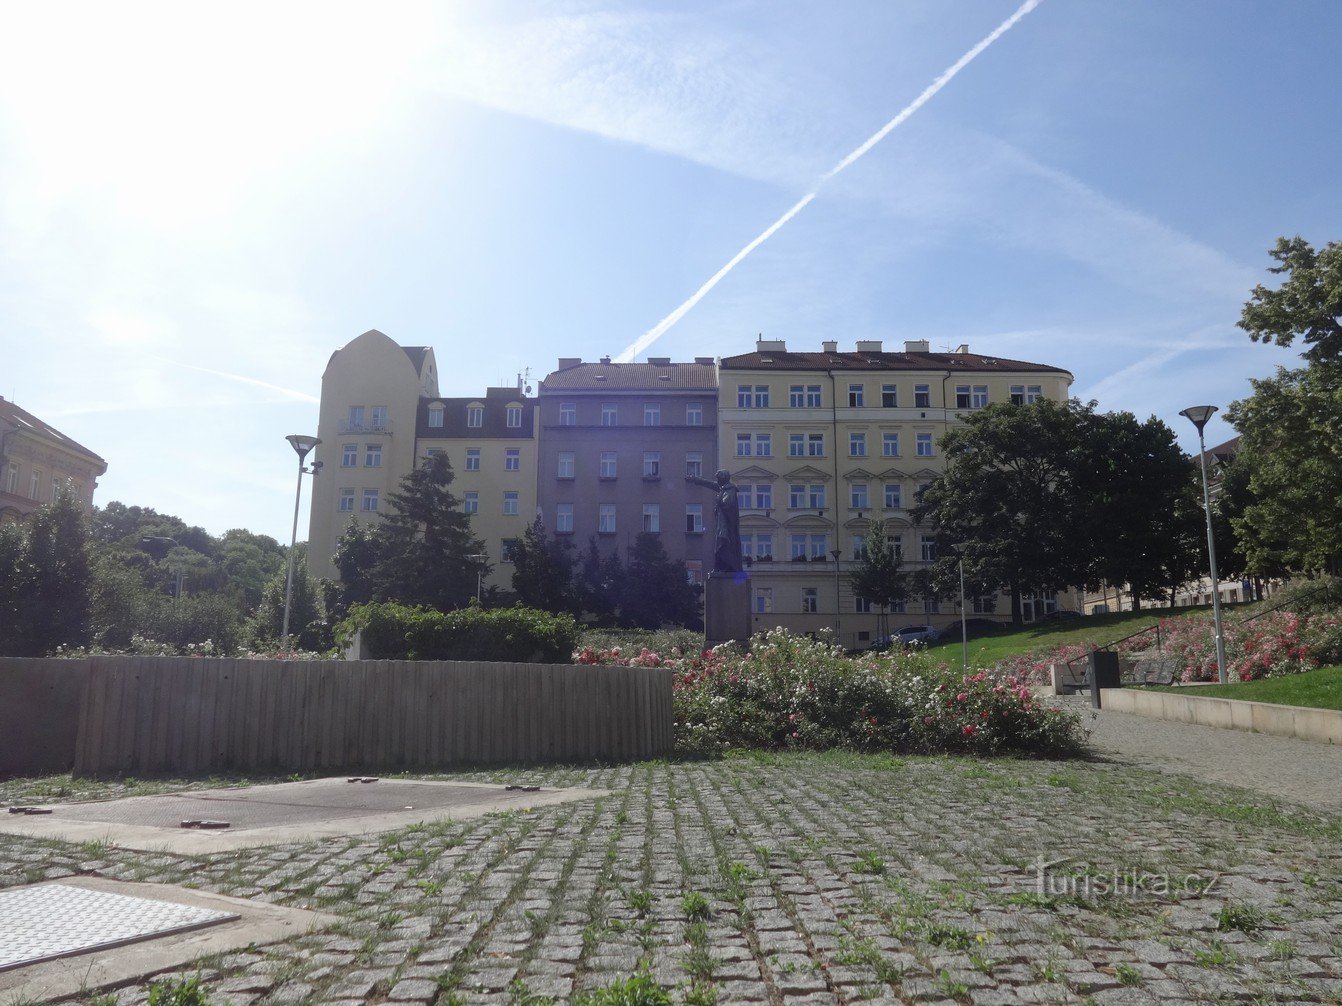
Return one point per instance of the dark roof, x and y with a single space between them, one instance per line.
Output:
416 354
1224 452
965 362
633 377
25 421
495 425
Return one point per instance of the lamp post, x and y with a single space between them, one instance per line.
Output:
1198 416
964 630
838 615
301 444
479 574
164 542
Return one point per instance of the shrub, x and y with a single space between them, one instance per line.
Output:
394 631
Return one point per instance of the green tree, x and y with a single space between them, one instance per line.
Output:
356 554
879 575
307 613
423 547
14 577
600 582
543 571
54 607
1307 304
657 591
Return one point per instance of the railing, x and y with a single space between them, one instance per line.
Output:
365 429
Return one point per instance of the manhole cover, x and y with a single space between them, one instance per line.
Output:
56 920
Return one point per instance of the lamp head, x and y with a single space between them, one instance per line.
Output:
1198 415
302 443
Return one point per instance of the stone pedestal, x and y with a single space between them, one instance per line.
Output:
726 607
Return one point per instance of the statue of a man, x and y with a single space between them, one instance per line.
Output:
727 514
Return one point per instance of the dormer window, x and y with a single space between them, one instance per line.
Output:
436 416
475 416
514 414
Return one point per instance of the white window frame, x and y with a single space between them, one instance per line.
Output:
512 501
694 463
608 462
349 455
563 518
472 459
470 501
889 396
810 600
694 414
858 496
857 445
923 445
512 459
475 417
372 455
652 518
347 497
565 465
694 518
370 501
435 417
857 395
652 414
605 518
568 413
513 417
893 496
652 464
610 414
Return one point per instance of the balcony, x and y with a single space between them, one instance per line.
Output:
366 428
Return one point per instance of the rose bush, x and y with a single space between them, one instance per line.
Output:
790 691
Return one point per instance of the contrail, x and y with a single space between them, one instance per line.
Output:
657 331
301 396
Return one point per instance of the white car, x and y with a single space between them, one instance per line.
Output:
909 634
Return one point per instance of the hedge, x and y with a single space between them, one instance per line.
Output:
392 631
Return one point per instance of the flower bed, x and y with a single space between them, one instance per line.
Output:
793 692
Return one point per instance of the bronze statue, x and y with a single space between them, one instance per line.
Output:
727 518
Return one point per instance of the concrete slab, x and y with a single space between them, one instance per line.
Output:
249 923
274 814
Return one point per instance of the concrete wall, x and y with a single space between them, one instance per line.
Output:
39 714
1322 725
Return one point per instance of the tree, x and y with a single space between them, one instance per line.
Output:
356 553
600 581
1308 303
657 591
422 550
50 570
307 615
543 571
879 575
1006 503
13 583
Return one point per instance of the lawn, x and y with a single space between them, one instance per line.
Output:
986 651
1318 689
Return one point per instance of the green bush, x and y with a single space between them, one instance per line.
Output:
394 631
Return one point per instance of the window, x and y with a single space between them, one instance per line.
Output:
379 417
920 491
962 396
979 398
810 600
927 548
1026 394
924 445
694 518
764 600
346 500
893 496
436 416
896 543
508 550
922 396
356 417
513 416
349 455
764 445
568 414
694 464
764 496
796 497
971 396
899 607
607 469
652 464
855 396
605 518
813 396
566 467
743 497
761 396
610 414
512 459
12 479
694 571
743 445
652 415
796 445
985 604
475 416
862 605
432 453
652 517
858 497
470 502
890 445
796 396
34 484
472 459
816 497
758 546
819 546
372 456
797 546
889 396
859 547
694 414
743 396
370 501
510 504
815 445
564 518
857 445
931 606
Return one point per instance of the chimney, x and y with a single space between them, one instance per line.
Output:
829 346
569 361
869 346
916 346
706 361
660 361
963 349
605 359
770 346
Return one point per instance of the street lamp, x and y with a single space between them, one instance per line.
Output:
1198 416
302 445
964 626
838 614
166 543
479 573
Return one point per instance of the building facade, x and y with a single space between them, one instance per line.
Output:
37 461
616 442
821 443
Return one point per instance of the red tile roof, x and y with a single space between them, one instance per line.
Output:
13 417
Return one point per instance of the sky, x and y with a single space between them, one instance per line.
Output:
200 203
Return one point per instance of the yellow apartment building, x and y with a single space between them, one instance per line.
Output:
37 461
821 443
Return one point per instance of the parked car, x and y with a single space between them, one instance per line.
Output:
1061 614
907 636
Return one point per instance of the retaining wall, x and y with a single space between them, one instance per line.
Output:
1323 725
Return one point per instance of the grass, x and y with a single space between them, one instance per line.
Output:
1317 689
986 651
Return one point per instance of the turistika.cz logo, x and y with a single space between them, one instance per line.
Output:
1081 881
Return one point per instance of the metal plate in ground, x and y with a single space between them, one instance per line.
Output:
57 920
282 812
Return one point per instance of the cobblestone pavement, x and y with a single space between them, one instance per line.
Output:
794 879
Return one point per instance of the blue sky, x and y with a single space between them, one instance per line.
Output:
198 205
